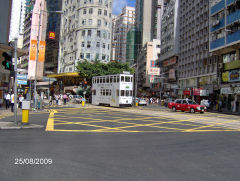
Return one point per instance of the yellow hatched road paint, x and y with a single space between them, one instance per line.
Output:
50 123
190 121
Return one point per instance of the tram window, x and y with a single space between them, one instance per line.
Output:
117 92
127 79
111 79
127 93
107 79
106 92
131 79
122 92
97 79
101 92
117 79
122 78
110 92
100 80
94 92
103 79
131 93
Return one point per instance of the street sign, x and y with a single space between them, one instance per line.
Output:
21 76
22 82
154 71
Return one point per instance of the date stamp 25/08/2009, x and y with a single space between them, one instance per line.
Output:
33 161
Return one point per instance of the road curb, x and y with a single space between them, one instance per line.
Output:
12 126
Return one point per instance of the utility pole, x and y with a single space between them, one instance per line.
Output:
35 81
15 83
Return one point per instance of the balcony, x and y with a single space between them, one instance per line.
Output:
217 7
233 17
218 25
233 37
217 43
230 1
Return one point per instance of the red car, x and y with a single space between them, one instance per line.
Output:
186 105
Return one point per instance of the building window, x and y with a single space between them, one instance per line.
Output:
99 11
91 11
98 44
105 12
83 22
99 22
88 44
89 32
99 34
83 33
88 56
90 21
97 56
103 57
84 11
82 55
103 45
100 1
83 44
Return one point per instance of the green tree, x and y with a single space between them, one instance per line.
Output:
89 69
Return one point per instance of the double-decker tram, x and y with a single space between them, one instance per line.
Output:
113 90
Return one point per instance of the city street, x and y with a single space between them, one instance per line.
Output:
105 144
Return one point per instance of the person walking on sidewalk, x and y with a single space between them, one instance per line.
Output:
65 98
8 98
12 101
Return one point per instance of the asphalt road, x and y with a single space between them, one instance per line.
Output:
108 145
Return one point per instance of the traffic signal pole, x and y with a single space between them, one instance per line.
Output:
15 79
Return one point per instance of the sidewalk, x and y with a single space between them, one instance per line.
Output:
10 124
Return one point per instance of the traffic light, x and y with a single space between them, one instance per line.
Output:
7 63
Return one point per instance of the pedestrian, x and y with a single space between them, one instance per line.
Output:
56 98
65 98
21 98
12 102
8 98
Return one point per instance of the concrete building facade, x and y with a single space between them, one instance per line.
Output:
123 23
17 20
85 33
197 68
224 40
169 48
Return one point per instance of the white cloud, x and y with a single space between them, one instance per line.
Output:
118 5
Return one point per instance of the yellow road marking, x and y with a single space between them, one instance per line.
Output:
50 123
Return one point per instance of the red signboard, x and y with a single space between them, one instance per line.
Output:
170 62
196 91
52 35
187 92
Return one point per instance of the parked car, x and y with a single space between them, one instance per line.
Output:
186 105
142 102
167 101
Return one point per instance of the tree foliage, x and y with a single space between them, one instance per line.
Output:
88 69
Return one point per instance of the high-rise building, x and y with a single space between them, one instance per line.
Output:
85 33
17 20
224 41
169 47
123 23
52 43
197 68
131 50
148 30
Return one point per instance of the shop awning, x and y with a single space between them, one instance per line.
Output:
60 75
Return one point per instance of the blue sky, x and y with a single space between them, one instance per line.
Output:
119 4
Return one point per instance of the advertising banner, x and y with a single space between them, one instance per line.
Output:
154 71
33 50
225 76
52 35
41 56
234 75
